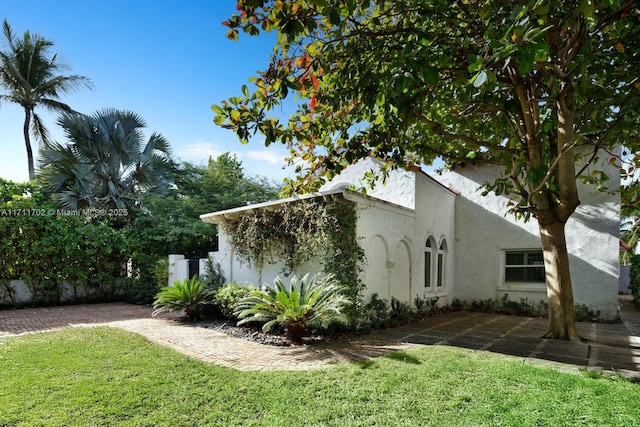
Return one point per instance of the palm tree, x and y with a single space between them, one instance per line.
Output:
106 163
32 78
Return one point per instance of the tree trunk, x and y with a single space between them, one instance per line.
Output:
294 332
27 143
562 322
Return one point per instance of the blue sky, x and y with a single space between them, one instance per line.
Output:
168 61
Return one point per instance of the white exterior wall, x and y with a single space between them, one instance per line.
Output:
394 239
235 270
435 208
385 232
483 234
178 268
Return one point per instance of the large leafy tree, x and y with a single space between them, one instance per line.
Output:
106 163
172 220
32 77
547 89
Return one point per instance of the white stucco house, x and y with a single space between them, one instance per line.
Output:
432 235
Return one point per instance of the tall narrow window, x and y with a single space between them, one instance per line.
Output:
442 250
524 266
427 263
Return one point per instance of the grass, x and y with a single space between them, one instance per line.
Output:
105 377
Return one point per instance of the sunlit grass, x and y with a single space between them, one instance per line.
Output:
107 377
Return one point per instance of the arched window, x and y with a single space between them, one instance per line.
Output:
428 262
442 253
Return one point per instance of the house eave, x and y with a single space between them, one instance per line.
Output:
215 217
354 196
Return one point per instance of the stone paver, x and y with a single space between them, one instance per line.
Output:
201 343
609 348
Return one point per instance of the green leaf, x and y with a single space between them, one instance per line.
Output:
479 79
430 75
518 13
526 60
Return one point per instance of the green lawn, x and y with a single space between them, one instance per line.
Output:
108 377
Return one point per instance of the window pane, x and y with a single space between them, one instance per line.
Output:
515 258
535 274
427 269
535 258
516 274
440 261
524 266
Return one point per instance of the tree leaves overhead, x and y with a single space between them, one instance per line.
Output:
410 80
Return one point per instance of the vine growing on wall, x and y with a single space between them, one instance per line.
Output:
322 228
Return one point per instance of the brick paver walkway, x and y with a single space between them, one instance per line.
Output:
608 347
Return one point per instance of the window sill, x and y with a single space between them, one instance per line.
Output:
523 286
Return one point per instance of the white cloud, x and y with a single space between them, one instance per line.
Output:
269 156
266 162
200 152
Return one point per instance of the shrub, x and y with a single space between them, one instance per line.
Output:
376 313
213 278
426 307
401 312
228 296
149 275
379 314
189 295
305 302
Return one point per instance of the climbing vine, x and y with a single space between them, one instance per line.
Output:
322 228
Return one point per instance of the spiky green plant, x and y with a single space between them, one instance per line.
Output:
190 295
315 301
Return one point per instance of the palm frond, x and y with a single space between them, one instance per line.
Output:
189 295
315 301
110 141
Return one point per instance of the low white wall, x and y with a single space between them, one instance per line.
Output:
22 295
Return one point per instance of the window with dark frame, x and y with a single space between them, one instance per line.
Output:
441 251
427 264
524 266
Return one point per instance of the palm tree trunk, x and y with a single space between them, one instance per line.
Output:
27 143
562 323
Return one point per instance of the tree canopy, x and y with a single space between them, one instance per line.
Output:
409 81
32 78
106 163
550 90
171 221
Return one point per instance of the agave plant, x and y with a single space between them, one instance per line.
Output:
315 301
190 295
